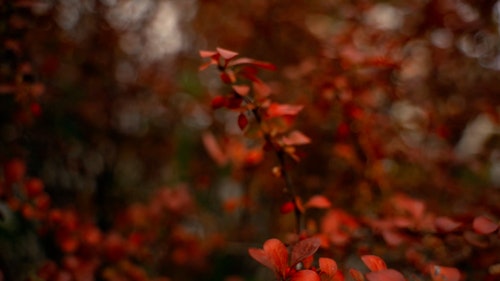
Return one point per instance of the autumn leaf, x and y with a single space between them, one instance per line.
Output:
443 273
305 275
303 249
260 64
274 255
385 275
374 263
276 109
356 275
328 267
214 149
295 138
446 224
226 54
241 90
318 201
484 225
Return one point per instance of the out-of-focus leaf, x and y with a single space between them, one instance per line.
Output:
213 148
295 138
484 225
443 273
276 109
374 263
328 267
385 275
318 201
226 54
446 224
356 275
242 90
260 64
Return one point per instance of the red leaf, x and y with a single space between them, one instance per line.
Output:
213 148
303 249
276 109
484 225
385 275
328 267
218 102
374 263
445 224
207 54
241 90
318 201
226 54
261 64
305 275
242 121
442 273
393 238
274 255
261 90
356 275
226 78
295 138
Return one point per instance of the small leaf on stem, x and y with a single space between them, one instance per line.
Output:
242 121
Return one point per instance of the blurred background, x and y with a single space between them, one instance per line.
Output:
102 101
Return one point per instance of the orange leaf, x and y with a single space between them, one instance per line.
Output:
241 90
261 90
443 273
207 54
276 109
385 275
356 275
484 225
305 275
374 263
213 148
318 201
445 224
295 138
328 267
304 249
242 121
274 255
226 54
261 64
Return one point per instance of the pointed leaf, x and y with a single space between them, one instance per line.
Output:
303 249
305 275
374 263
218 102
356 275
276 109
443 273
241 90
328 266
446 224
484 225
261 90
207 54
318 201
385 275
226 54
295 138
260 64
213 149
242 121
